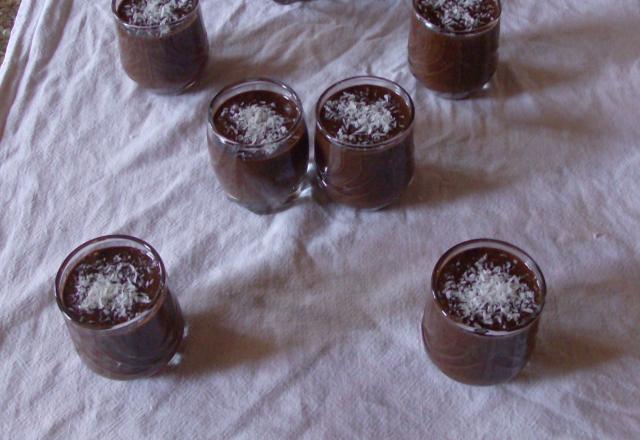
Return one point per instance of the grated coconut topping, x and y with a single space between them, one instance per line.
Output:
489 295
111 290
255 124
460 15
360 119
156 12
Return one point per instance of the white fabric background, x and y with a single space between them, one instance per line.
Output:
306 324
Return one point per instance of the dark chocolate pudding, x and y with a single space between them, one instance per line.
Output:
122 319
259 145
364 142
453 44
163 43
111 286
480 326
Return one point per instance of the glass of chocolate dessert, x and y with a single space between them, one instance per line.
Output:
364 142
163 43
258 143
480 323
453 45
123 320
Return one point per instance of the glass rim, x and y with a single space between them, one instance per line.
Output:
114 11
500 245
156 302
254 148
433 27
338 87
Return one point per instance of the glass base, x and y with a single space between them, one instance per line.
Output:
267 208
463 95
482 361
172 359
448 95
322 195
176 91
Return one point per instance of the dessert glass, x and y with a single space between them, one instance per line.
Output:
453 64
266 177
371 176
474 355
135 348
165 58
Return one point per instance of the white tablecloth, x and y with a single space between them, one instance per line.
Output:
306 324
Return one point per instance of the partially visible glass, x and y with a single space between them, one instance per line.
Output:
264 177
473 355
453 64
165 58
136 348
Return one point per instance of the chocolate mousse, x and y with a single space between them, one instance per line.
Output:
453 44
480 326
364 142
122 319
258 144
163 43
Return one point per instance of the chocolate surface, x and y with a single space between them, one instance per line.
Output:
365 174
455 270
151 13
234 118
364 115
458 15
112 267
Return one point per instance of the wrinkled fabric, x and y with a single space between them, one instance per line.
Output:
306 324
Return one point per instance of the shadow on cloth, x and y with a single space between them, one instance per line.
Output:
513 78
221 72
435 185
210 345
559 353
570 339
432 184
536 60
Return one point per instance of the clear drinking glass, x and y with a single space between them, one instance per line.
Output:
135 348
368 176
263 177
471 355
165 58
454 64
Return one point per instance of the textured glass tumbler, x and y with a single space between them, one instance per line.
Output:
262 178
136 348
167 58
453 64
471 355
